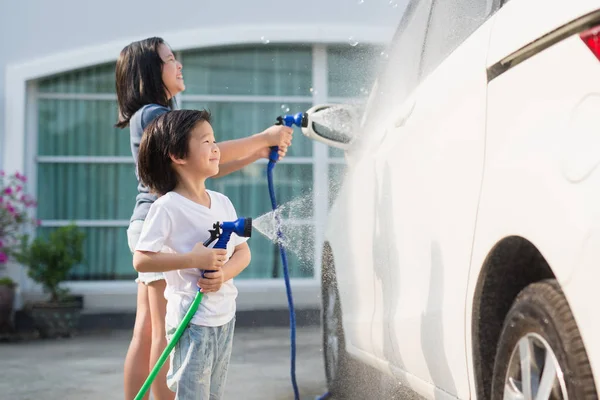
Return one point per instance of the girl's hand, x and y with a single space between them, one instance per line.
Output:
277 135
266 151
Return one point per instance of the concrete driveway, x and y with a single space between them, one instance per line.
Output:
90 367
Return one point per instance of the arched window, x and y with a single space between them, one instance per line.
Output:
85 172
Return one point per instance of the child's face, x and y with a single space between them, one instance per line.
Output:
203 153
171 71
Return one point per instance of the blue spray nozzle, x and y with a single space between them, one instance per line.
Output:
291 120
298 119
222 231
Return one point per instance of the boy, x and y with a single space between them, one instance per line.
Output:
177 154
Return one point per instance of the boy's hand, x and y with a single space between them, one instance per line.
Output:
212 281
207 259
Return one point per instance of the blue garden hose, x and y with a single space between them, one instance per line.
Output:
273 157
287 120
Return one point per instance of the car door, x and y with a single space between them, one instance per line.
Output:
429 171
357 248
393 88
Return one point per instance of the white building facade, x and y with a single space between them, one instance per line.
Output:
248 62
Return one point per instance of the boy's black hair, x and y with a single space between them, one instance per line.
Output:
168 134
139 79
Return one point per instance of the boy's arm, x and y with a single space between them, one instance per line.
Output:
200 257
239 260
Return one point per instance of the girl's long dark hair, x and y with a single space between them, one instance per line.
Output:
139 79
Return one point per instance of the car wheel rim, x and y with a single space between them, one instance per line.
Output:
331 324
533 372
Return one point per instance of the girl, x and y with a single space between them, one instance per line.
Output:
148 77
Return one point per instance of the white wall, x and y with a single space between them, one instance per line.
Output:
34 29
41 37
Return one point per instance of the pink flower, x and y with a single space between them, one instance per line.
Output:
10 208
19 188
8 190
3 258
2 173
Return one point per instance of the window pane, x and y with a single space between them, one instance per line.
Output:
401 73
80 128
265 70
351 70
106 254
451 23
86 191
249 192
97 79
237 120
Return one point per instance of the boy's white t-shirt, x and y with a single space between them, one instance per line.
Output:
176 224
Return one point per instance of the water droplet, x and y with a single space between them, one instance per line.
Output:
512 324
393 4
264 40
353 42
384 55
285 108
546 321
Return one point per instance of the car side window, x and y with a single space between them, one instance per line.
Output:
400 75
451 23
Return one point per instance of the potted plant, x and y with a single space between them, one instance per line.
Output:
14 219
7 296
49 262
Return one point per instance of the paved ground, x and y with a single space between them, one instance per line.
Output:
90 367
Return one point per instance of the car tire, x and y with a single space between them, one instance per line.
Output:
540 332
345 376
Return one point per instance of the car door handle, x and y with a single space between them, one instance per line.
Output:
405 111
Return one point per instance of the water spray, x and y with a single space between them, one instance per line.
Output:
222 233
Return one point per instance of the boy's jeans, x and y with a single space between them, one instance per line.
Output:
199 362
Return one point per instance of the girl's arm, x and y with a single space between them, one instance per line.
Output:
276 135
232 166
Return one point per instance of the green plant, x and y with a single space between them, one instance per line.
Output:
6 281
49 261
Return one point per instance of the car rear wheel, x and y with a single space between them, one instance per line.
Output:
540 354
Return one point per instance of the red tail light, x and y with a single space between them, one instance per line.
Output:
591 37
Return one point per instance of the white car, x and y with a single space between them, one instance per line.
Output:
462 252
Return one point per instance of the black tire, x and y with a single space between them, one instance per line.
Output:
540 320
346 377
